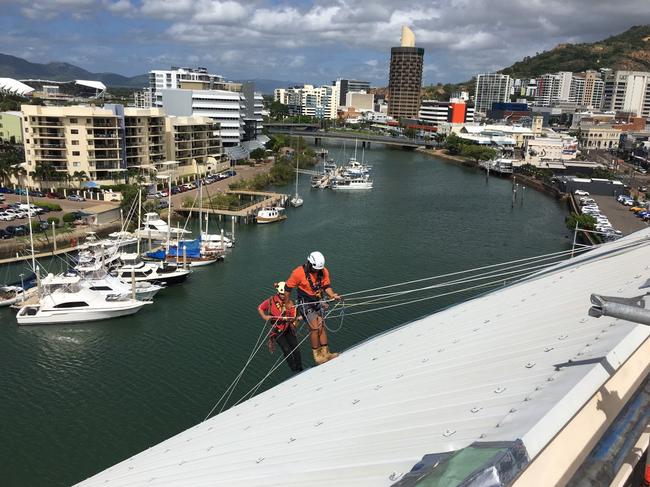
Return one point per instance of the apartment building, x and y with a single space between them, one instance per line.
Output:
102 144
186 78
491 88
587 89
553 88
312 101
193 143
628 91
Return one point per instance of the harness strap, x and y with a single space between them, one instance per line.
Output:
318 287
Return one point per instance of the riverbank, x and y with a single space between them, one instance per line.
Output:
440 153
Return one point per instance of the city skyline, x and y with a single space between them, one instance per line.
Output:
302 41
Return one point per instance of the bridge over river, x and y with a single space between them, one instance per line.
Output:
307 130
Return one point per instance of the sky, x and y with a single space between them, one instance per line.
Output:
303 41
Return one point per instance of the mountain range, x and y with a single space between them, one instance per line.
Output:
18 68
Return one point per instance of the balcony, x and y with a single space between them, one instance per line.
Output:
112 134
50 134
52 146
108 166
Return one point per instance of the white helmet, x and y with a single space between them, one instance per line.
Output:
280 287
317 260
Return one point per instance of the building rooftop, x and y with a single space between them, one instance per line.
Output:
513 366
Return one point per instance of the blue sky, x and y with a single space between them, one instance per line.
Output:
303 41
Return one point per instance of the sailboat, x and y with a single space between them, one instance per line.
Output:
296 200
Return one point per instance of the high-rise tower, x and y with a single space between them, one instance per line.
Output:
405 79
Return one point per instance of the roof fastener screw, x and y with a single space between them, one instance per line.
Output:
355 401
448 433
259 460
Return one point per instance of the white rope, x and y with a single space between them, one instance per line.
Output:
414 281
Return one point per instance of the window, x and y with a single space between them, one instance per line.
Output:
73 120
75 142
100 288
74 131
75 153
89 120
72 304
75 164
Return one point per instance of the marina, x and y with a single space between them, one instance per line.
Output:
189 345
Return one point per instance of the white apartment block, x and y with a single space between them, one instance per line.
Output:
437 112
225 107
310 100
491 88
628 91
188 78
102 144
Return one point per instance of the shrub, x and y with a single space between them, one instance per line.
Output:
49 206
69 217
55 220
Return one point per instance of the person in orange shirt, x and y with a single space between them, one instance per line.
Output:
282 317
312 282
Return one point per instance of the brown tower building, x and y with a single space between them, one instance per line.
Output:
405 79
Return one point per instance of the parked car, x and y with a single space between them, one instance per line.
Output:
2 198
6 190
75 197
580 192
175 190
20 191
163 204
55 195
7 217
43 226
4 234
17 231
38 194
111 196
18 213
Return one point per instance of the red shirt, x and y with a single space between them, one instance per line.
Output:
298 279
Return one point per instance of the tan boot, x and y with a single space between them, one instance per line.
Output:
319 356
328 355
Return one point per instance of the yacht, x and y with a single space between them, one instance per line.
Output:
134 268
155 228
65 300
501 166
96 278
194 253
270 215
355 169
15 293
351 184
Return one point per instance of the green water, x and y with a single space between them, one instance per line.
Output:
77 399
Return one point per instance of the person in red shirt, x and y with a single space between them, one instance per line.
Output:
281 314
312 282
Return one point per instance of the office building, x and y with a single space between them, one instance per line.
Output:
491 88
253 106
436 112
628 91
360 100
225 107
11 127
347 85
405 79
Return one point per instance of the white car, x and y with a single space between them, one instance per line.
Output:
580 192
16 212
7 217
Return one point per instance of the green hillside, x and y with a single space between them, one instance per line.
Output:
627 51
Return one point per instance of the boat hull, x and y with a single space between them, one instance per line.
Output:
71 315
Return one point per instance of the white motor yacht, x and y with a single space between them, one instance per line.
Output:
11 295
133 267
155 228
270 215
351 184
216 240
96 278
65 300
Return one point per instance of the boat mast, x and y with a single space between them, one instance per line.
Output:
200 206
139 216
297 164
169 211
355 149
31 235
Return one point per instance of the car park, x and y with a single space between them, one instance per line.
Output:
75 197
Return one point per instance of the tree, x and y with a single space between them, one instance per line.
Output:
586 222
278 110
454 144
602 173
258 154
478 152
410 132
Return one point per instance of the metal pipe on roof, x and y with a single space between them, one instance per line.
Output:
629 309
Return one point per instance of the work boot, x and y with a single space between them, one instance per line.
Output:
319 356
328 355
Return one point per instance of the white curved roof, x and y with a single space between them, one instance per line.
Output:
98 85
11 85
485 370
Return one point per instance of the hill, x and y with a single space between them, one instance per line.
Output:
627 51
18 68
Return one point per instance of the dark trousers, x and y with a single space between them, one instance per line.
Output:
288 342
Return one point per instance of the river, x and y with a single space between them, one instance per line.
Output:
77 399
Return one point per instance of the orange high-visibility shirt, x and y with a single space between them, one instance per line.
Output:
298 279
